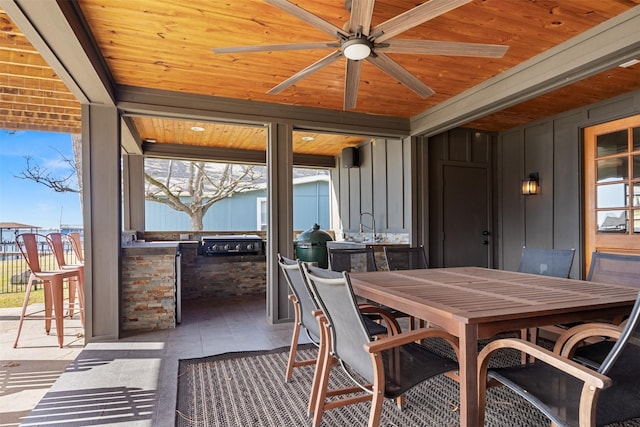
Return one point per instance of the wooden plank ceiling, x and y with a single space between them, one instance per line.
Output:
183 132
167 45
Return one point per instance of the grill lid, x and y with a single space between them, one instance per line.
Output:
314 235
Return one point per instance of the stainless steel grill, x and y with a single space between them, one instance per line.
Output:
232 244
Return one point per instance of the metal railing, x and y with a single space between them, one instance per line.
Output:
14 272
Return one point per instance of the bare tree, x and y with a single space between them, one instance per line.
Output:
197 190
189 187
41 175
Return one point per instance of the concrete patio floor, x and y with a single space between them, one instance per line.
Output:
132 381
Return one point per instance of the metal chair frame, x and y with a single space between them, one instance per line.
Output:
27 244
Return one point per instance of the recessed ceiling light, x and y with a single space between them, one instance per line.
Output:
197 128
308 138
629 63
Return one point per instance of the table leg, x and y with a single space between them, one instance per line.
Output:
468 375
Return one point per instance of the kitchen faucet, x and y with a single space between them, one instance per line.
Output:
372 228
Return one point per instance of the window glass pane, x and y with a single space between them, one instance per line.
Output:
636 166
612 143
262 208
636 194
612 221
636 139
611 196
636 220
201 196
612 169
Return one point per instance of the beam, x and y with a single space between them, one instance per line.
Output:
178 105
596 50
193 152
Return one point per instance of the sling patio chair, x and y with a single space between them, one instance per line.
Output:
352 259
617 269
606 268
405 258
53 284
387 367
304 306
355 260
566 392
545 262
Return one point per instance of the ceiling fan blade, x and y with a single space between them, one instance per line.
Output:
361 13
433 47
308 17
351 83
399 73
276 47
329 59
414 17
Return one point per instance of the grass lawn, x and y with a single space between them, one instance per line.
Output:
10 267
15 299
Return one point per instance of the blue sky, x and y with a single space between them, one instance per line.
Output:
26 201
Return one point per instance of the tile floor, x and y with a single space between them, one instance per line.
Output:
129 382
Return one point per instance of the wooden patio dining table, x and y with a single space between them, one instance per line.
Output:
473 303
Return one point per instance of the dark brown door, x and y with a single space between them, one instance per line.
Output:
466 240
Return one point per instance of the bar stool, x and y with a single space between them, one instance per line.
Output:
53 285
76 284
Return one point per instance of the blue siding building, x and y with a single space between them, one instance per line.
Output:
246 211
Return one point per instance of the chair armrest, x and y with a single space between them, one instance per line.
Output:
566 365
392 324
411 336
567 342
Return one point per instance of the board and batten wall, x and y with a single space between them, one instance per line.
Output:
459 150
553 148
380 185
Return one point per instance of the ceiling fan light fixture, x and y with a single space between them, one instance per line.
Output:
356 48
629 63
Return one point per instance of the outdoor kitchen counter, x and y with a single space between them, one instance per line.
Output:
140 246
221 276
149 285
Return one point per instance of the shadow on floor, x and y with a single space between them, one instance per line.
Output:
93 406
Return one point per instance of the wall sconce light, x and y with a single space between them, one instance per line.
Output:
531 184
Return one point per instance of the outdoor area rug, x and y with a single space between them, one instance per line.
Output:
248 389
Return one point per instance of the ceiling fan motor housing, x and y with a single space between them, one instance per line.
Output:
357 48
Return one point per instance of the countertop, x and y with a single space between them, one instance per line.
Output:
160 246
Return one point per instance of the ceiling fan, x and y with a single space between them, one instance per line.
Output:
359 41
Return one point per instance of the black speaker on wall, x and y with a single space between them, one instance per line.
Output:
350 157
